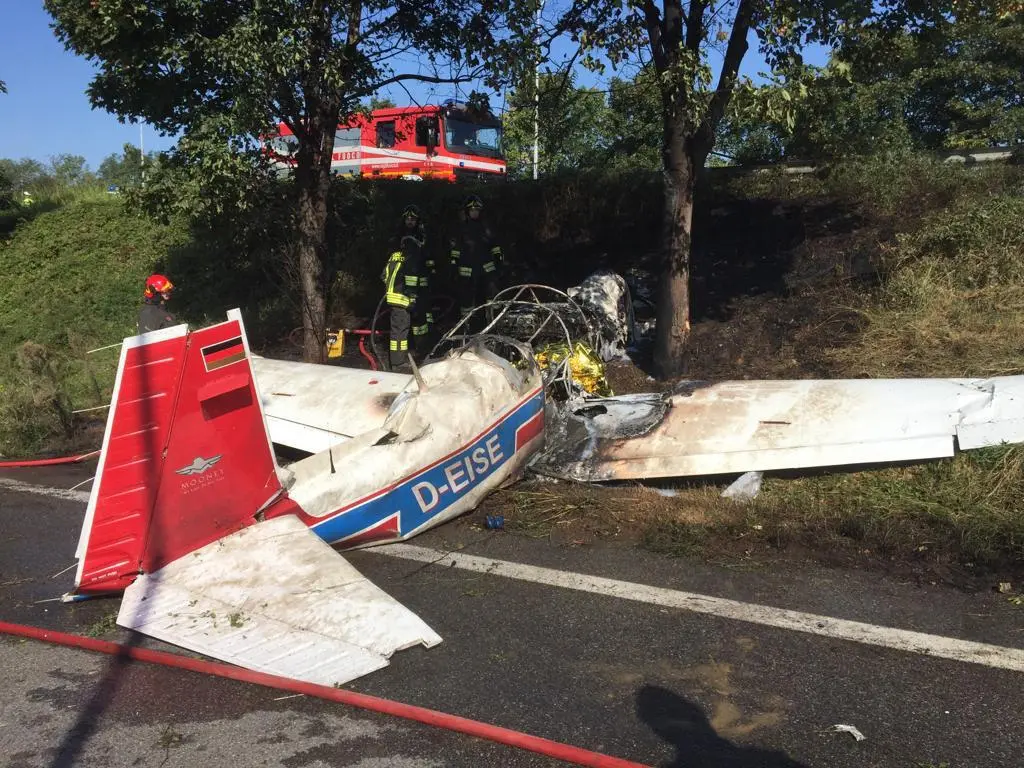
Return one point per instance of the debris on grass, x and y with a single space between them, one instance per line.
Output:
745 487
850 730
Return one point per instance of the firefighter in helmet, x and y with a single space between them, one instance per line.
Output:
476 257
401 278
154 315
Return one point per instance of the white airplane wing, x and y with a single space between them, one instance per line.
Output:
742 426
314 407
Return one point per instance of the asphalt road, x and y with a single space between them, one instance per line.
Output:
656 685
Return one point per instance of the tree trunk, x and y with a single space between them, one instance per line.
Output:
313 178
673 311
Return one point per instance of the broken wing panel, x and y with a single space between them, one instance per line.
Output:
1002 418
313 407
743 426
274 598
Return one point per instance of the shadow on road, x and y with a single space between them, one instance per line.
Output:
684 725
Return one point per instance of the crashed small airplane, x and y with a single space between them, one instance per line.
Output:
222 550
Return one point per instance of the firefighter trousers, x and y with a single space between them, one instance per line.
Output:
475 287
398 345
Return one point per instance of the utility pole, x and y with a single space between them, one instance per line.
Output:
536 97
142 157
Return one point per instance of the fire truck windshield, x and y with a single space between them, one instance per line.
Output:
283 145
472 138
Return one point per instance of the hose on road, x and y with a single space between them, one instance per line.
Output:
47 462
508 737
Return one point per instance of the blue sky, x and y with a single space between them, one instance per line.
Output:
45 109
47 112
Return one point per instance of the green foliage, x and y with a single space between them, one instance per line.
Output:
570 126
69 170
19 175
633 123
125 170
943 82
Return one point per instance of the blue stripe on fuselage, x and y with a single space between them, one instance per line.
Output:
427 494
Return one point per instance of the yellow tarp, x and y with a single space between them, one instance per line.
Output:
585 367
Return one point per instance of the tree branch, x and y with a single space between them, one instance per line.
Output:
727 78
694 25
672 26
652 19
369 90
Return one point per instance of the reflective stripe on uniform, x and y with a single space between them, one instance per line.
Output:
411 281
455 255
465 271
430 318
489 267
496 250
421 330
398 346
393 297
396 299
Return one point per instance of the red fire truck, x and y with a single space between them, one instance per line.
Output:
451 141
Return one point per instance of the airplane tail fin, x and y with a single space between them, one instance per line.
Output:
186 456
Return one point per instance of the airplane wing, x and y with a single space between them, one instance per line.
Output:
742 426
314 407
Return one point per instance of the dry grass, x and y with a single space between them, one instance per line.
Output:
952 303
963 510
549 509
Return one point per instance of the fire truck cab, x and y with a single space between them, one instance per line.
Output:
451 141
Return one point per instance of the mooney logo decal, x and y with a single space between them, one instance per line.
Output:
199 465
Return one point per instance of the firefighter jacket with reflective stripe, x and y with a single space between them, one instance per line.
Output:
403 274
475 250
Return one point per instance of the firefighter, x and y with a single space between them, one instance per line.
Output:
476 257
401 278
414 232
154 315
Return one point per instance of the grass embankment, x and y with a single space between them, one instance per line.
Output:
69 282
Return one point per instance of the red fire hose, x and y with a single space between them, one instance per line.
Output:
47 462
495 733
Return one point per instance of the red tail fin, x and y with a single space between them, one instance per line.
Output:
186 456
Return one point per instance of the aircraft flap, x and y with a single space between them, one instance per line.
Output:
274 598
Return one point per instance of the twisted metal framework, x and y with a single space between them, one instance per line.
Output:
531 314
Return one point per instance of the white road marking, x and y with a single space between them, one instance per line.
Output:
42 490
765 615
781 618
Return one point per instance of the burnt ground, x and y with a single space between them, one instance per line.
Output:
774 289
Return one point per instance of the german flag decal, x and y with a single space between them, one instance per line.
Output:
223 353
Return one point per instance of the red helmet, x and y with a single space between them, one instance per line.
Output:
157 284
